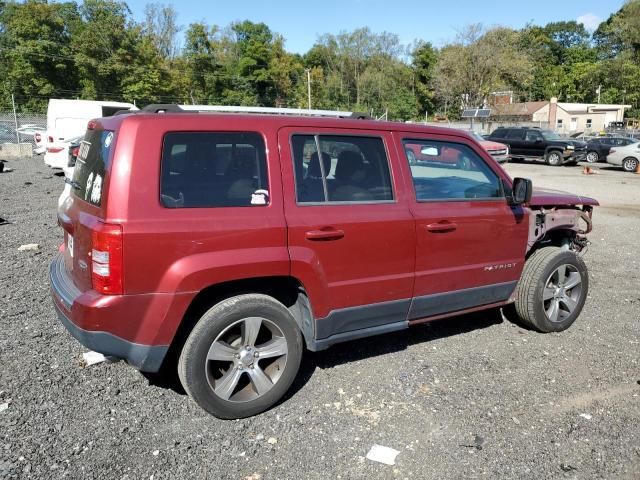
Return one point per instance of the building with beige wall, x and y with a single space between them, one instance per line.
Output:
560 116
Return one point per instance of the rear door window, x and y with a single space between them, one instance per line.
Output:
336 168
92 163
514 135
213 169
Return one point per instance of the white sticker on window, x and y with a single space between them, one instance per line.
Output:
259 197
87 189
96 190
107 139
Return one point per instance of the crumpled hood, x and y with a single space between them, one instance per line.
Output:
547 197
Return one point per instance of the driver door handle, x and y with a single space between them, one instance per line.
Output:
442 227
324 234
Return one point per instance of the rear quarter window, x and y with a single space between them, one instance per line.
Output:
92 163
213 169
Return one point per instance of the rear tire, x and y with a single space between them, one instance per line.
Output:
554 158
592 157
630 164
552 290
241 357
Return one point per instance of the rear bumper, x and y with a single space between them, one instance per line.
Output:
67 299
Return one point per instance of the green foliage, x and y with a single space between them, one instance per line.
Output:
96 50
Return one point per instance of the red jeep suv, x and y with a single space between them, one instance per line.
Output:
232 241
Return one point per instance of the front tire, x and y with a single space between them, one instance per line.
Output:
592 157
630 164
552 289
241 357
554 158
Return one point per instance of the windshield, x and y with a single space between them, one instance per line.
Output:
550 135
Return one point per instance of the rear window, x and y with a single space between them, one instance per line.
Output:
94 157
206 169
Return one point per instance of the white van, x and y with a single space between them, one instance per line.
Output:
67 119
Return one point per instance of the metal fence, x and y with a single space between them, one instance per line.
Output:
21 127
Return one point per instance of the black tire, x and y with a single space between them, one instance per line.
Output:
194 366
553 158
592 157
630 164
538 273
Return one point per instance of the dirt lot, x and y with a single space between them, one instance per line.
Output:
469 397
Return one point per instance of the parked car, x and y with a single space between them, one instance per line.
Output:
67 120
528 143
223 245
598 148
626 157
57 152
68 169
499 151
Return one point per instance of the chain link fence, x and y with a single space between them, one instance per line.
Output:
21 127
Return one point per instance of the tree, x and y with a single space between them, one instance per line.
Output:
36 56
620 33
104 47
479 63
424 59
160 25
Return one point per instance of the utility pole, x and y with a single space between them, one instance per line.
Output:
598 92
309 86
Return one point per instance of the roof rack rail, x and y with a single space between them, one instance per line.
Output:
173 108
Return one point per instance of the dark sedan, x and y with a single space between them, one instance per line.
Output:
598 148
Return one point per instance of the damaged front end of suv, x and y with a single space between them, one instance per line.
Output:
559 219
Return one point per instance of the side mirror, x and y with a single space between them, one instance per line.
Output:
429 151
521 191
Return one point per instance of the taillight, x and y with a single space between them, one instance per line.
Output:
54 149
106 259
38 137
74 151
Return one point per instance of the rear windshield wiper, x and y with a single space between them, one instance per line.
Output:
73 183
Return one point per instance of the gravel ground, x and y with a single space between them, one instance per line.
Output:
469 397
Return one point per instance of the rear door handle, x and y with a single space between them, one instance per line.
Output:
442 227
324 234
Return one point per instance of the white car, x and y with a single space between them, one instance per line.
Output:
57 153
626 157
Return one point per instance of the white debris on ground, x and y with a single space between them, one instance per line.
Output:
586 416
29 247
382 454
92 358
4 406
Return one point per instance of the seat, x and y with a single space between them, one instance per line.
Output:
349 175
240 176
311 188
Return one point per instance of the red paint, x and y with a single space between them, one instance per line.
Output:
368 253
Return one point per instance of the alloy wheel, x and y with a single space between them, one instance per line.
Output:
630 164
593 157
562 293
246 360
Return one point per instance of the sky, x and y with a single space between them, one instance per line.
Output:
301 22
